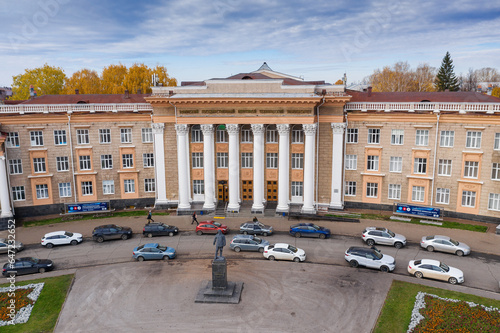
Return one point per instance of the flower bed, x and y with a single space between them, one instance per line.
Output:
25 298
432 313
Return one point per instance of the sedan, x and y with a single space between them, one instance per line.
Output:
210 227
374 235
433 269
248 243
256 228
283 251
444 244
27 265
152 251
61 238
309 230
11 245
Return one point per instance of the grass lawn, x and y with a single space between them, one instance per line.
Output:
46 310
396 313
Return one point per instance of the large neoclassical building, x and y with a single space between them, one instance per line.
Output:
263 139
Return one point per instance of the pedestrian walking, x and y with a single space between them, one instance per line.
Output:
194 219
150 219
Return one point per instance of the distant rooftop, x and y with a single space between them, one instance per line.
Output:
88 99
439 97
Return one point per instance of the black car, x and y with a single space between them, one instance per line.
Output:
27 265
111 231
159 229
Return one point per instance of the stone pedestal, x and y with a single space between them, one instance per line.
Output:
219 273
219 290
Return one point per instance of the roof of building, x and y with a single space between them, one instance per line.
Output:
445 96
88 99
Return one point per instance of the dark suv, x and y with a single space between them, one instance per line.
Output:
111 231
159 229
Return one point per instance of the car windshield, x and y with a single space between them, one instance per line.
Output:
454 242
429 237
391 233
260 224
217 224
292 248
69 234
140 247
316 227
162 248
444 267
34 260
378 254
258 240
118 228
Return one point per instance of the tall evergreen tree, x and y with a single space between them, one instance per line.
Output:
445 78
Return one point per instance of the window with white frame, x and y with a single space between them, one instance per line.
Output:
297 136
350 188
85 162
221 136
222 160
447 139
271 135
62 163
82 136
104 135
374 135
422 137
418 194
107 161
494 201
108 187
18 193
148 160
394 191
351 162
420 165
36 138
42 191
59 137
496 144
372 162
125 135
247 160
39 164
371 190
129 185
198 187
443 196
444 167
473 139
397 136
147 135
468 199
396 164
272 160
495 171
87 188
297 189
352 135
197 160
64 190
196 134
15 167
149 185
471 169
297 161
12 140
127 161
246 135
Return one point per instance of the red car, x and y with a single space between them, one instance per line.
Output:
210 227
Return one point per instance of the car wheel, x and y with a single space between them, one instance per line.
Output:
237 249
264 234
49 245
261 249
296 259
430 248
452 280
460 253
41 270
370 242
322 236
272 258
100 239
245 232
353 263
199 232
418 275
140 258
171 234
398 245
74 242
384 269
166 258
124 237
297 235
150 235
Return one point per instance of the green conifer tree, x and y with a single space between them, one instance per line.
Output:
445 78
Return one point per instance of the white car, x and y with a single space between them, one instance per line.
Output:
283 251
434 269
61 238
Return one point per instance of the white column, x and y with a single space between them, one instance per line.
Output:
234 168
258 167
283 164
4 189
310 138
208 166
337 165
182 166
159 148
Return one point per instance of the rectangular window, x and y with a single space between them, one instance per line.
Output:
422 138
372 163
272 160
471 169
15 167
147 135
494 201
297 136
418 194
350 189
371 190
374 135
59 137
127 161
64 190
298 161
221 136
272 136
473 139
196 134
85 162
198 187
444 167
495 171
108 187
247 160
39 165
104 135
149 185
496 145
62 163
352 135
443 196
82 136
297 189
397 136
107 161
396 164
420 165
87 188
129 186
42 191
222 160
246 136
12 140
197 160
125 135
148 160
394 191
447 139
18 193
351 162
36 138
468 199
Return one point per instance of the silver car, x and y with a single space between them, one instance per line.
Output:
248 243
369 257
373 235
15 246
444 244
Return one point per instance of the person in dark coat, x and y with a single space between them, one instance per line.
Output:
219 242
150 219
194 219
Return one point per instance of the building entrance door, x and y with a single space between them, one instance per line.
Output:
272 190
247 188
223 193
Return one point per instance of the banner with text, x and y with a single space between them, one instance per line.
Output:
418 210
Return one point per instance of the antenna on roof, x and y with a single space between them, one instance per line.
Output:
155 80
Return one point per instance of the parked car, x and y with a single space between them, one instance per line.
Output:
444 244
374 235
434 269
111 231
152 251
27 265
309 230
283 251
370 258
210 227
256 228
248 243
159 229
15 246
61 238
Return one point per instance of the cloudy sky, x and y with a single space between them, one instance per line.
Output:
198 39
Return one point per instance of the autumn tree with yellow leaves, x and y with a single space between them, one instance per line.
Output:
112 79
86 81
400 77
46 80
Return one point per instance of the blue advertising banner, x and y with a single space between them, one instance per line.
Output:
87 207
418 210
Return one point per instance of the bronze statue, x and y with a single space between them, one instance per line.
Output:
219 242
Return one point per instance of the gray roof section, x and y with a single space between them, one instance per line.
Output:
256 95
264 67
